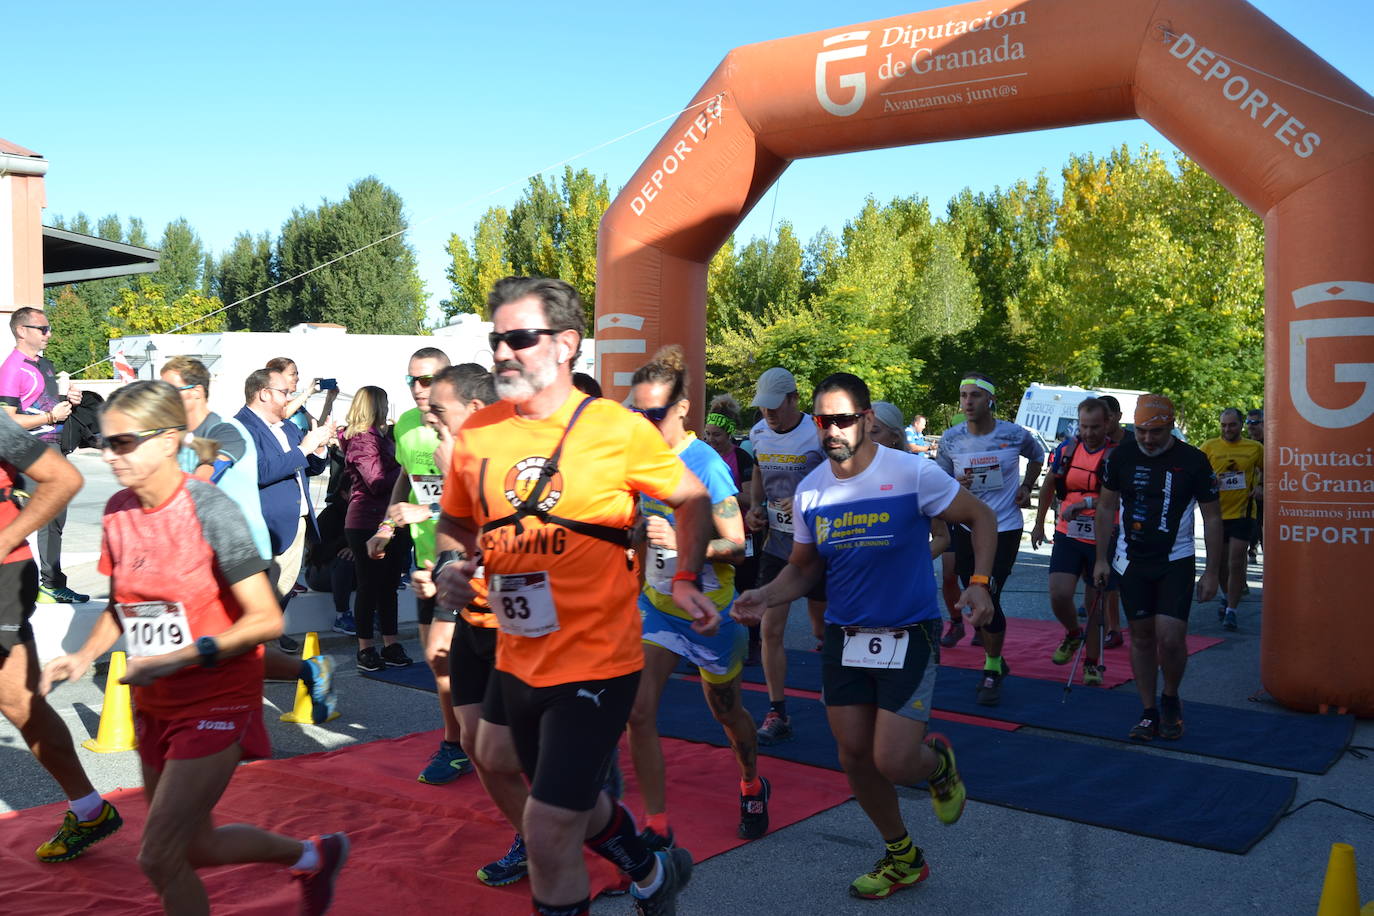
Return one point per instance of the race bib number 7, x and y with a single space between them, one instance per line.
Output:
153 627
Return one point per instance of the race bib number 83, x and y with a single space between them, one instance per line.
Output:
523 603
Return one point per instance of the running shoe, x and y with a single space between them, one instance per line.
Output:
448 763
990 686
288 645
1113 640
1170 724
753 812
1092 675
891 874
655 841
677 871
508 869
370 659
953 634
977 639
75 837
1147 729
1229 621
947 794
395 656
1067 649
62 595
317 887
343 623
775 729
323 702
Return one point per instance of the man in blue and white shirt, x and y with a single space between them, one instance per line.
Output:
863 522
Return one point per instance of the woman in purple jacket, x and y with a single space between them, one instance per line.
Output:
370 462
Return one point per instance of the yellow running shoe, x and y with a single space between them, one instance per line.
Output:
75 837
889 875
947 795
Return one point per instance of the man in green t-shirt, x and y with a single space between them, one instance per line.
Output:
423 456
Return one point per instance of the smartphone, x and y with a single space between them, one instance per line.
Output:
329 384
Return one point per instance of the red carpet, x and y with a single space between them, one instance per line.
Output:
1030 643
415 847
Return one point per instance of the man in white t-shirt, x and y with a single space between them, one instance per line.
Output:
983 454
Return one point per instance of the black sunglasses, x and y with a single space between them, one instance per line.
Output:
42 328
1253 422
656 414
124 443
424 380
841 420
519 339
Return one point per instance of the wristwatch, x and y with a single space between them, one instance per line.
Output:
434 510
208 649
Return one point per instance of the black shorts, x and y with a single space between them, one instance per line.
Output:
769 567
1238 529
1072 556
427 611
565 735
1154 589
1008 544
18 593
471 660
906 691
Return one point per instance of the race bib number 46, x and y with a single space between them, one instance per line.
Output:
153 627
523 603
1231 480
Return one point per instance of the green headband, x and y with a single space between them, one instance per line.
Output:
721 420
981 383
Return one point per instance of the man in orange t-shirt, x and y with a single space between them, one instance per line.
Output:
544 485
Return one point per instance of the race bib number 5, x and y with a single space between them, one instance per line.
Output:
523 603
864 648
153 627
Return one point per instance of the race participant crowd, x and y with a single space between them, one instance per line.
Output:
567 552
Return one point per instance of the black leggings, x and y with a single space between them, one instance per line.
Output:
377 580
1008 544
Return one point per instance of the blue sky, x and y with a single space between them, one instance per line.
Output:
232 114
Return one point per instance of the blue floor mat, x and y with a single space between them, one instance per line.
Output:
1125 789
416 675
1302 743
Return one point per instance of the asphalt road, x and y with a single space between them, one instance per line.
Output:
994 861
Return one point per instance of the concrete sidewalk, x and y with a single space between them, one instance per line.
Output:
994 861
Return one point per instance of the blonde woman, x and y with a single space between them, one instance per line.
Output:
371 466
189 593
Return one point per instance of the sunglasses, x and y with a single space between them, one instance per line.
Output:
519 339
124 443
1253 422
840 420
40 328
655 414
424 380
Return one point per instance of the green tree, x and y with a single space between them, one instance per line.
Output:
148 309
182 260
77 341
473 270
373 288
244 270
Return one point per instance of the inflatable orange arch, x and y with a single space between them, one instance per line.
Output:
1284 131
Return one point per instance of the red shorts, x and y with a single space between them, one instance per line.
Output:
160 740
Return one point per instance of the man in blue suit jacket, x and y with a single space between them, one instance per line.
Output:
286 456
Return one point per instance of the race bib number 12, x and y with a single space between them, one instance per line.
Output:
428 488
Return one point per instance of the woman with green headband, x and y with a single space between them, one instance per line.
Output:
722 419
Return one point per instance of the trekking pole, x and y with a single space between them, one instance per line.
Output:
1095 610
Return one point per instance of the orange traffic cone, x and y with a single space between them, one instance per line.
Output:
303 712
1340 890
116 732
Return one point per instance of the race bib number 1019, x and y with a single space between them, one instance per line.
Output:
154 627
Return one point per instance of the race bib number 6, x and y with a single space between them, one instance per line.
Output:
523 603
865 648
153 627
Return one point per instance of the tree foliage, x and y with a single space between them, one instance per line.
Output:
149 309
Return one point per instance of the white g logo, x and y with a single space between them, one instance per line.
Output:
1300 332
856 81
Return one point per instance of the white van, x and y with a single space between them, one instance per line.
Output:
1052 410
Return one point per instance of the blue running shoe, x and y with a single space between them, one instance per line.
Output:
324 705
508 869
448 763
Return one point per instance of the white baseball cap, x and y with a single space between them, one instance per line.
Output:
774 386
